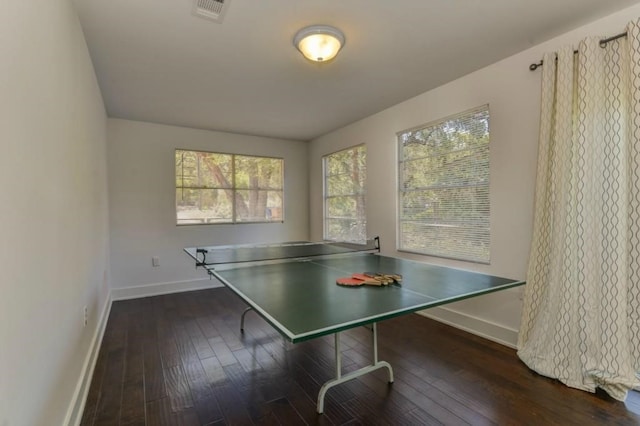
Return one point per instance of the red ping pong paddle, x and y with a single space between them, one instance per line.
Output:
366 280
349 282
357 280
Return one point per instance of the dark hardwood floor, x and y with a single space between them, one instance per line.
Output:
180 360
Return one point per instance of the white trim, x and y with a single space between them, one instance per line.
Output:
501 334
79 399
157 289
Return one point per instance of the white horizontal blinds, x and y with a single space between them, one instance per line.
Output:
344 195
227 188
204 187
444 187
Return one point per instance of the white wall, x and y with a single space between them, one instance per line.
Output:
54 225
513 95
142 203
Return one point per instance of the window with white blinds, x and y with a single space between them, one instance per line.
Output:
213 188
444 187
345 175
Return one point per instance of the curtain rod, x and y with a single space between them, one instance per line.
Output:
603 43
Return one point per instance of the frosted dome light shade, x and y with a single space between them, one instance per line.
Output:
319 43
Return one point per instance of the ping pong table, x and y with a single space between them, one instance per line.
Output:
293 287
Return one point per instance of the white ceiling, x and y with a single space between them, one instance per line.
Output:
157 62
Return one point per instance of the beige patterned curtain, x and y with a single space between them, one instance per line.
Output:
581 314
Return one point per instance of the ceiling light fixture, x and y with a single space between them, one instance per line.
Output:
319 43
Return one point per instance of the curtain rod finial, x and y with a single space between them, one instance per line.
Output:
534 67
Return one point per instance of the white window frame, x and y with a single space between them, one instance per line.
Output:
361 193
234 188
451 236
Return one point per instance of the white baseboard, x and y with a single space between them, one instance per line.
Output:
74 413
162 288
496 333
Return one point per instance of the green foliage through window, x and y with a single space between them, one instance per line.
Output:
344 195
444 187
228 188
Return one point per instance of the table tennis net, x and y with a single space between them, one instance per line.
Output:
218 255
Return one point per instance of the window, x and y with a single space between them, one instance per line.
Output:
344 195
444 187
227 188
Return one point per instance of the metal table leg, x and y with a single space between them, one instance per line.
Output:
339 378
242 318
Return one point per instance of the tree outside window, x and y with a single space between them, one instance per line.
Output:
227 188
344 195
444 187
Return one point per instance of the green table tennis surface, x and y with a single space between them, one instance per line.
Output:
301 300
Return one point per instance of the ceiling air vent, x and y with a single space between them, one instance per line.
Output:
210 9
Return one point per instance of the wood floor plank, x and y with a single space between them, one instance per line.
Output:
197 380
249 392
421 417
247 361
169 351
154 387
160 414
177 389
200 343
206 326
213 371
235 411
109 403
284 412
231 338
208 410
383 405
222 351
334 411
133 407
184 344
365 414
305 405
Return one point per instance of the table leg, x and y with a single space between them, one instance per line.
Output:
339 378
242 318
